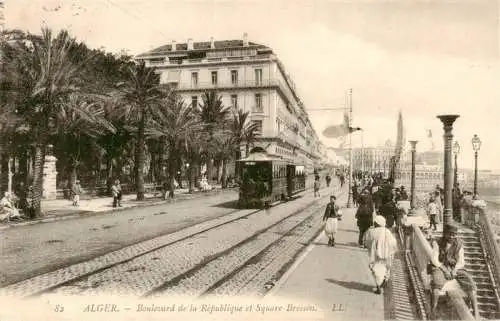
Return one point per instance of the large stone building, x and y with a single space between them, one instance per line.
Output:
248 76
429 170
373 159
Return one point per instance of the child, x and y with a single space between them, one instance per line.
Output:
433 211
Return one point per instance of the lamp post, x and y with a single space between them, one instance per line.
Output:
447 121
413 156
476 145
456 151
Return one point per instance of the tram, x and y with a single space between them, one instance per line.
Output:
266 179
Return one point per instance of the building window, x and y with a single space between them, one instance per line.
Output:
258 77
234 101
194 101
258 102
194 79
214 77
258 124
234 77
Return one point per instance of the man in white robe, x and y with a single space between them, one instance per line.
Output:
381 246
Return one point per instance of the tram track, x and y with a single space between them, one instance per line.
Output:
270 251
229 262
82 272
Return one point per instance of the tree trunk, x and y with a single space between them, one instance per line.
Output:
109 174
139 158
197 174
2 168
72 174
224 173
172 161
190 171
210 169
159 169
38 179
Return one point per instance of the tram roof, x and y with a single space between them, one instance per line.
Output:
261 157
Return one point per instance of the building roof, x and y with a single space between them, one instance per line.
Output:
201 46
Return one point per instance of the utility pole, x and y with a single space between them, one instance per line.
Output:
349 198
362 152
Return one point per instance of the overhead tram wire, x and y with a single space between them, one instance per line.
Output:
137 18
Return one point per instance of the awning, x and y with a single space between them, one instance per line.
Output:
174 76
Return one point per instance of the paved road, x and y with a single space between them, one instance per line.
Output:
31 250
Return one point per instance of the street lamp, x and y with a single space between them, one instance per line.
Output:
413 154
476 145
456 151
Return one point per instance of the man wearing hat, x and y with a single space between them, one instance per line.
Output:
381 246
447 268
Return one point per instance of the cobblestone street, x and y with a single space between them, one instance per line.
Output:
31 250
149 221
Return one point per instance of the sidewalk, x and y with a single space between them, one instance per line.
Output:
61 209
335 280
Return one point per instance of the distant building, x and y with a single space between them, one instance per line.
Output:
373 159
248 76
429 170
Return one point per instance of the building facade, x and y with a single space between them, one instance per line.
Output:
429 170
250 77
373 159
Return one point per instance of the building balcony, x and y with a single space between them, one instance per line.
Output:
196 61
247 84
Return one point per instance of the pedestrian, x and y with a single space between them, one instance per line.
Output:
447 269
8 208
28 206
381 246
316 187
354 194
439 203
115 192
432 211
364 217
120 194
403 195
76 190
328 180
332 216
388 210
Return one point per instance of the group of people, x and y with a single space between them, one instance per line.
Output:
377 238
376 214
374 232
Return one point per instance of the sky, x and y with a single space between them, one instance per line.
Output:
422 58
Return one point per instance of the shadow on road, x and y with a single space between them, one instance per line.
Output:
230 204
352 285
348 244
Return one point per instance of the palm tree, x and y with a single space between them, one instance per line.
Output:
141 94
79 123
47 76
243 130
215 117
177 125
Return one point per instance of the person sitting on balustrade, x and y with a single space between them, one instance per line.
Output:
447 269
